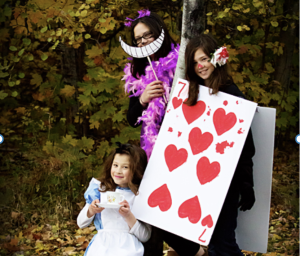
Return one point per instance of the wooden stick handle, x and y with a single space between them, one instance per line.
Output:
155 76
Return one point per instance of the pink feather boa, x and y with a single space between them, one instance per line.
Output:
152 117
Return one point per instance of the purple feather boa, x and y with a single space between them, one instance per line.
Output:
152 117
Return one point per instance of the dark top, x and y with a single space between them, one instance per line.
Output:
134 111
244 172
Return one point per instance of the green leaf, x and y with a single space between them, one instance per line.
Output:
90 89
3 95
257 4
274 23
69 140
85 143
14 94
30 57
7 11
13 48
3 74
44 56
87 36
16 59
119 116
11 83
21 52
102 20
103 30
26 41
85 100
44 29
83 13
269 67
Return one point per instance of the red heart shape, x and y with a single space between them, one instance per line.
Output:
206 172
198 141
161 197
191 209
174 158
223 122
176 102
207 221
192 113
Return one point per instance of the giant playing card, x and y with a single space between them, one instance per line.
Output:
193 161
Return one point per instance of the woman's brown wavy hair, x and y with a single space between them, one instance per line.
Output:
219 78
138 163
155 24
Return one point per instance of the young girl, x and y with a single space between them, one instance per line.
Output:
206 65
119 232
147 105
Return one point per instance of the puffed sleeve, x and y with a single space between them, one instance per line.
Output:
141 230
92 193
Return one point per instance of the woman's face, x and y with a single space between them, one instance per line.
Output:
203 68
142 35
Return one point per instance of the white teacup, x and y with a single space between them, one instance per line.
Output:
114 197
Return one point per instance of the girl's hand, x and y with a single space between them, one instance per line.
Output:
127 214
93 209
153 90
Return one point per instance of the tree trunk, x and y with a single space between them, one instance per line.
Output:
288 37
193 24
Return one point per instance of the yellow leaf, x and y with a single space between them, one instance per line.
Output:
83 13
257 4
58 32
94 124
246 10
209 13
239 28
68 90
227 10
274 23
81 7
69 140
238 78
94 52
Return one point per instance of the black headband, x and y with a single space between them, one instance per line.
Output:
122 147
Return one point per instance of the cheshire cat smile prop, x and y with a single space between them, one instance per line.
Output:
145 51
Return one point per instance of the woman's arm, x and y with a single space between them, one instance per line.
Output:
135 110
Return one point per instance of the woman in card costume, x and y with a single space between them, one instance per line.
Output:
206 65
147 105
119 232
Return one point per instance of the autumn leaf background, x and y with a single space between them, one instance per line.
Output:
63 107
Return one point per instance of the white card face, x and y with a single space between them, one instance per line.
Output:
192 163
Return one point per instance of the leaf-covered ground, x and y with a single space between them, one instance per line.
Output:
47 235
